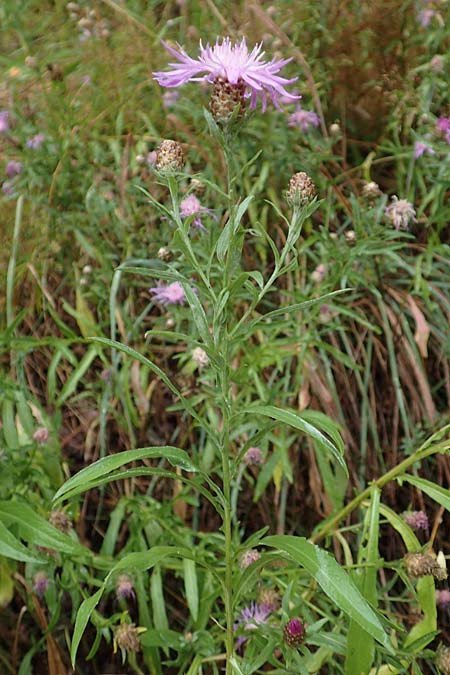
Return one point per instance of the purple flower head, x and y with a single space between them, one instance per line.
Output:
417 520
443 599
41 435
169 294
253 456
400 212
124 587
249 557
425 16
4 121
170 98
40 582
35 142
443 126
294 632
190 206
303 119
234 64
13 168
421 148
437 63
7 188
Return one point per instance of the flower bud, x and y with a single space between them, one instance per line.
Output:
442 660
225 98
41 435
248 558
417 520
253 456
164 254
371 190
40 582
301 189
169 156
200 357
61 521
124 587
422 564
443 598
294 633
126 636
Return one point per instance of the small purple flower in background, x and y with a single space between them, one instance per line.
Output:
124 587
35 142
417 520
234 64
13 168
437 63
253 456
443 126
4 121
170 98
443 599
40 582
400 212
7 188
169 294
41 435
421 148
303 119
190 206
319 274
425 16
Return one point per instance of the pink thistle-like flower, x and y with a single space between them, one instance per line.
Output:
234 64
294 633
303 119
190 206
13 168
253 456
4 121
169 294
437 63
421 148
443 126
124 587
35 142
417 520
400 212
40 582
41 435
7 188
248 558
319 274
425 17
443 599
250 618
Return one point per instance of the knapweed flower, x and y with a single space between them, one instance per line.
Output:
400 212
437 63
169 156
124 587
164 254
13 168
248 558
417 520
301 189
7 188
35 142
250 618
443 126
233 68
443 599
170 98
423 564
190 206
421 148
4 121
294 632
425 16
269 598
442 660
303 119
40 582
319 274
169 294
253 456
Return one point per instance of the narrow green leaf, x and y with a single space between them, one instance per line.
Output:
334 581
11 547
296 420
83 615
191 586
144 560
440 494
158 603
426 594
76 375
106 465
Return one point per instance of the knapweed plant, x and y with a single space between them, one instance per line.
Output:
282 336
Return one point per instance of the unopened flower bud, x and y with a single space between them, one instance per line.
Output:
170 323
319 274
87 269
371 190
301 189
164 254
225 98
200 357
443 598
350 237
422 564
169 156
40 582
335 129
417 520
442 660
294 633
41 435
248 558
437 63
253 456
61 521
126 636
